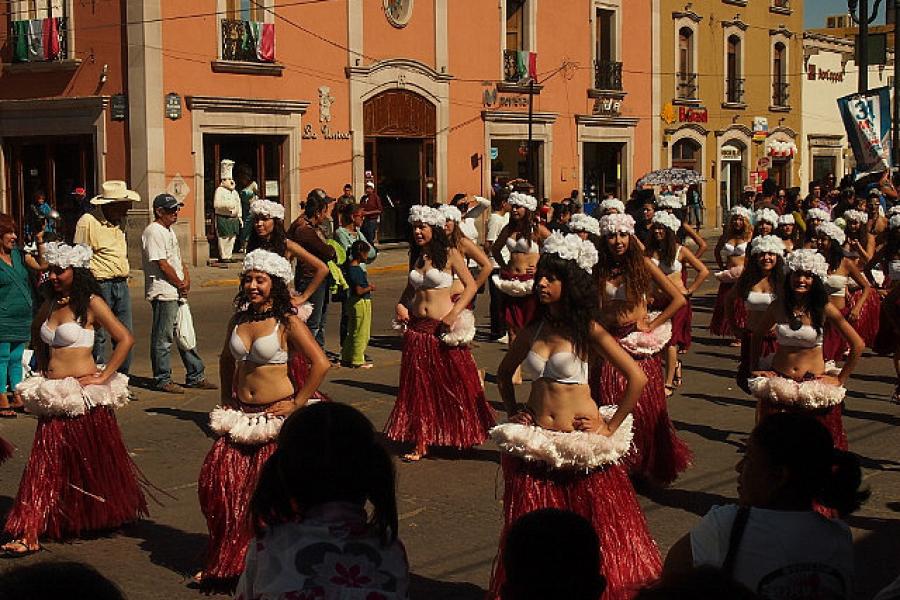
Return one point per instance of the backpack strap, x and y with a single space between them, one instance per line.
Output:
734 540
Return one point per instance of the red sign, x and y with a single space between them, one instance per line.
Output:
687 114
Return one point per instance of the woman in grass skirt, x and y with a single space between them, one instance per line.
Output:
560 451
440 401
79 477
887 340
796 379
626 279
860 249
257 393
730 252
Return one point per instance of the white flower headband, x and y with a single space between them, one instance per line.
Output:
667 220
741 211
807 260
613 203
856 215
832 231
786 220
818 213
610 224
894 210
451 213
571 247
520 199
668 201
419 213
583 222
268 209
268 262
64 256
770 244
894 223
766 214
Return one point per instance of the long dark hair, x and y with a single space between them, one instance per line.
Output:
524 226
795 233
279 295
327 452
816 299
84 285
666 249
818 472
634 270
276 243
438 249
835 254
861 235
753 274
579 299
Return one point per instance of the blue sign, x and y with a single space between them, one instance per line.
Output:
495 152
867 121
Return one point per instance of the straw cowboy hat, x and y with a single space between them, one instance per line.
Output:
115 191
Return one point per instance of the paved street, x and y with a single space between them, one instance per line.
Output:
450 505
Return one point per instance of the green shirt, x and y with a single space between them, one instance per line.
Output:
15 300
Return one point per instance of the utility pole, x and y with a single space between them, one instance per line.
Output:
863 19
531 178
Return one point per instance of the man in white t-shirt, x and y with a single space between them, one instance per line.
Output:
166 283
496 222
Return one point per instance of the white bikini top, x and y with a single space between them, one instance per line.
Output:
432 279
805 337
758 301
522 246
836 285
614 292
67 335
739 250
675 267
265 350
559 367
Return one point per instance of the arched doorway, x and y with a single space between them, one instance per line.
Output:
734 175
686 154
400 128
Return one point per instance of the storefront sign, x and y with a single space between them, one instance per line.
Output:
730 153
325 132
688 114
118 107
813 74
760 128
491 98
606 106
173 106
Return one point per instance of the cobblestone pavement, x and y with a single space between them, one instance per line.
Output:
450 504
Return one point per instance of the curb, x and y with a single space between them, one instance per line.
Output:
232 282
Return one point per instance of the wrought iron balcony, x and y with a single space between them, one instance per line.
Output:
734 90
607 75
518 66
780 94
248 41
686 86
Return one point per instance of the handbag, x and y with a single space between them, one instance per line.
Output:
185 336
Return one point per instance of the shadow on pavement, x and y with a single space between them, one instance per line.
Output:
423 587
710 341
713 434
387 342
726 373
398 449
369 386
875 554
693 501
6 504
198 418
722 400
168 547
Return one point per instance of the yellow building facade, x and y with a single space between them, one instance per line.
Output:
728 84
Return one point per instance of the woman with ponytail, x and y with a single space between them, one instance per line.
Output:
775 541
315 537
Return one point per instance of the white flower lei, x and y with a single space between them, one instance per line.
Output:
571 247
856 215
667 220
267 208
832 231
616 224
451 213
894 223
818 213
613 203
419 213
268 262
583 222
807 260
64 256
520 199
765 214
767 243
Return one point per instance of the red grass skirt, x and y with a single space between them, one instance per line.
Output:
79 478
769 346
6 450
659 454
867 325
681 327
440 401
717 324
227 481
887 339
834 346
830 417
518 311
298 371
605 497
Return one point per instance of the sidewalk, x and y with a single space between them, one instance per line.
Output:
388 260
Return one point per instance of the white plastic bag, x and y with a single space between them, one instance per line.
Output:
184 327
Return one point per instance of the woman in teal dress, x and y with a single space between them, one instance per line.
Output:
15 309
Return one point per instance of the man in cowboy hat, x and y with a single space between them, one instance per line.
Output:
101 229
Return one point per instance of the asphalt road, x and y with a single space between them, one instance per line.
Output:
450 505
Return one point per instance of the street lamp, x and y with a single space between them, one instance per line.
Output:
863 19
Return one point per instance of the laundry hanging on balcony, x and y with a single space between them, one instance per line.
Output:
782 149
38 40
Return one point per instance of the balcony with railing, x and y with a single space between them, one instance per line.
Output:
734 92
608 75
247 47
781 96
519 66
686 86
780 6
40 44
